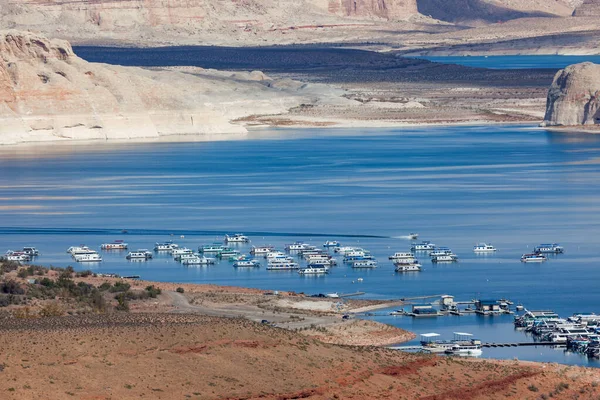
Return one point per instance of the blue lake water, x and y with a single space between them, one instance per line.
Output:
514 62
512 186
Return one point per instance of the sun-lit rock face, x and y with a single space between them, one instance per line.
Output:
574 97
48 93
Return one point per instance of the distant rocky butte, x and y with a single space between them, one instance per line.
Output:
589 8
47 93
574 97
151 21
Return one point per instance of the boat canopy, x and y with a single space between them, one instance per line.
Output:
463 334
430 335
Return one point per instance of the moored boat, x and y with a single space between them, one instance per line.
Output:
166 246
17 256
331 243
549 248
237 238
141 254
364 264
116 245
88 257
261 250
423 246
246 264
282 266
533 258
483 248
408 267
198 261
75 250
451 257
314 270
212 248
31 251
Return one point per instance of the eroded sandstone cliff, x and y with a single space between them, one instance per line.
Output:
574 97
48 93
182 21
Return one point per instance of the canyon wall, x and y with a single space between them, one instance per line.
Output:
589 8
188 21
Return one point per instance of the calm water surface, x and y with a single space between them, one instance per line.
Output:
512 186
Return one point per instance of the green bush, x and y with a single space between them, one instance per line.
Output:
180 290
120 286
153 291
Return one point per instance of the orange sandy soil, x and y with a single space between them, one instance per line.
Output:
173 356
229 301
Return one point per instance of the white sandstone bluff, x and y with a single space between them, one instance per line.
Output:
574 97
47 93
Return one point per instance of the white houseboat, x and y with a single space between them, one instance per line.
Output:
237 238
423 246
116 245
533 258
141 254
549 248
483 248
246 264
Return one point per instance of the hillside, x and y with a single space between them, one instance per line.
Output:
47 93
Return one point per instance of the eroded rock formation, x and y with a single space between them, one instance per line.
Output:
48 93
574 97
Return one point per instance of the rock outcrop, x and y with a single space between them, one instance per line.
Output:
574 97
589 8
48 93
189 21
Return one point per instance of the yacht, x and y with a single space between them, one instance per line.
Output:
483 248
237 238
345 249
166 246
408 267
246 264
323 262
261 250
365 264
17 256
198 261
88 257
315 270
549 248
400 255
212 248
440 251
451 257
533 258
423 246
296 246
226 253
331 243
116 245
176 253
141 254
75 250
282 266
465 349
31 251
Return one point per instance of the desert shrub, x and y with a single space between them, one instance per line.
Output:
84 274
23 313
8 266
104 287
179 290
532 388
8 299
23 273
45 282
11 287
153 291
123 303
120 286
53 309
97 301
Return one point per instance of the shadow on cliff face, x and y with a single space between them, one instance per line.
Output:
465 11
